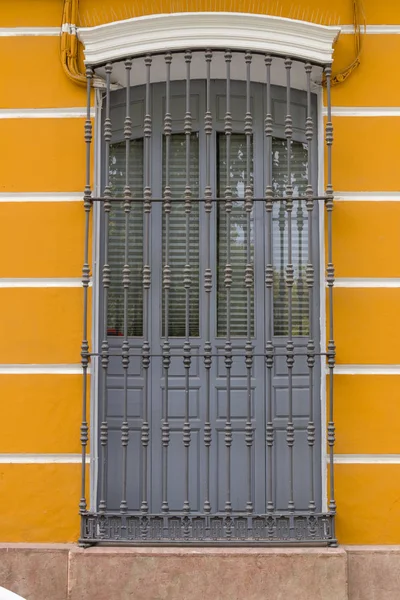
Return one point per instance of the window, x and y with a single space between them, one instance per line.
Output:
209 385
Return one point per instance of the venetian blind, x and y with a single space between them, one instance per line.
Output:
238 238
116 233
299 175
178 235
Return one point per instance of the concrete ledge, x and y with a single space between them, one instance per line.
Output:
198 574
35 571
374 572
65 572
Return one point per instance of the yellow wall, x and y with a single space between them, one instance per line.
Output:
41 413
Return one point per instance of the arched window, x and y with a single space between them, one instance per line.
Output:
209 406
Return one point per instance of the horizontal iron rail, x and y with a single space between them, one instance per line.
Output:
101 64
205 529
221 354
215 200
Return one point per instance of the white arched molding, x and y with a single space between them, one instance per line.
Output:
217 30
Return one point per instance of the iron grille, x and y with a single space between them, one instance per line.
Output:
289 289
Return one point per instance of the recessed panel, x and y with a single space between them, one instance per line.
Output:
177 471
177 402
238 401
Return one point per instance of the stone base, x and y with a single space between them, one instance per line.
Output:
374 572
65 572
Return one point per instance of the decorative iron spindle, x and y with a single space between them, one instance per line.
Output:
187 281
330 279
208 129
166 282
248 278
310 285
87 204
269 282
125 284
145 436
106 284
289 281
228 281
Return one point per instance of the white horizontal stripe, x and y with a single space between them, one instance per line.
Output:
373 29
36 282
41 196
67 27
41 369
44 113
366 370
29 31
367 282
366 459
363 111
25 459
368 196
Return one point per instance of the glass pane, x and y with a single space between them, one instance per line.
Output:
238 236
299 176
116 232
178 234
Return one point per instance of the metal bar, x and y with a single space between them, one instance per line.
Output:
187 283
208 276
166 284
106 284
289 282
87 204
202 355
258 530
216 200
310 285
330 279
125 284
147 131
269 282
248 278
228 280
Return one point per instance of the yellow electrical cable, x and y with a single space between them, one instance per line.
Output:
69 43
358 18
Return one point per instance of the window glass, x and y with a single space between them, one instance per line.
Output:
299 178
116 241
181 231
238 235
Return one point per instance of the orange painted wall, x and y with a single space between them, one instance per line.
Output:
41 413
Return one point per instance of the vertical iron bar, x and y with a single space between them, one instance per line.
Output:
166 282
187 283
310 285
106 285
330 278
228 280
126 283
269 282
208 276
289 282
87 204
147 130
248 277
